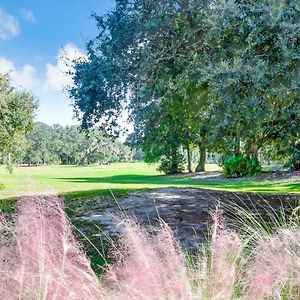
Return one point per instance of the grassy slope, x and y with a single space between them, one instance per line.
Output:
120 178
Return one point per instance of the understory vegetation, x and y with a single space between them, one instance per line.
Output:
40 259
239 166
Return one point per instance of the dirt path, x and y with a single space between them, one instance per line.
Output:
187 211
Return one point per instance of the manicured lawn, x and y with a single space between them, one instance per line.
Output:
74 181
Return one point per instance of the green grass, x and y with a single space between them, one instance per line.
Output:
74 181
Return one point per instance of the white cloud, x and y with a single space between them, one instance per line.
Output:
6 66
9 26
57 75
28 15
24 77
54 105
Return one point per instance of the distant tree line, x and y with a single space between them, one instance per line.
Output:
71 146
220 76
24 142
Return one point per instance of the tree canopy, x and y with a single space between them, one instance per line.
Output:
222 76
17 110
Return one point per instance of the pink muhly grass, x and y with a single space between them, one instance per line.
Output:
275 268
46 261
42 260
150 267
219 266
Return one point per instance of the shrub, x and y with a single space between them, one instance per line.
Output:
172 164
240 165
253 166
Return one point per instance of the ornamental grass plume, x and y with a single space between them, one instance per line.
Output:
149 267
221 261
215 274
274 270
45 261
41 259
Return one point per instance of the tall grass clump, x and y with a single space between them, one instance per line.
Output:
41 259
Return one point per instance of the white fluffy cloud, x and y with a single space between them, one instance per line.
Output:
28 15
6 66
54 105
24 77
9 26
57 74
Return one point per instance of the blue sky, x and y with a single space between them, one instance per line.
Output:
32 36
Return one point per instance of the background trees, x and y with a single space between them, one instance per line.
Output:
69 145
222 76
17 110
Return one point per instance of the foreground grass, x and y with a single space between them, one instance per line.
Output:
45 261
73 181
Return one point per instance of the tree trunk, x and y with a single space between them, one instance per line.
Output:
189 158
174 162
238 139
202 153
255 153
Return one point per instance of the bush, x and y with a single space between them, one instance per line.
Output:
239 165
253 166
172 165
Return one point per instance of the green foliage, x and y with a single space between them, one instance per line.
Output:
172 164
222 75
239 165
70 145
253 166
282 131
165 135
17 109
295 160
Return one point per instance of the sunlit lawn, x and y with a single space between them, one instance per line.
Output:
119 178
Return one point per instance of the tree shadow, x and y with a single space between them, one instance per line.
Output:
161 180
120 179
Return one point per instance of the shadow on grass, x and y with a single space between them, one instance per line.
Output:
265 186
123 179
136 182
117 193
